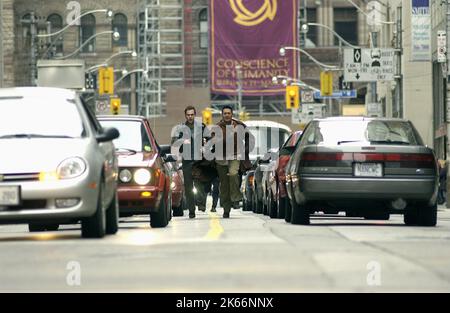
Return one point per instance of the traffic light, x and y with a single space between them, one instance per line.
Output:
90 81
207 116
106 80
292 97
244 116
115 106
343 85
326 83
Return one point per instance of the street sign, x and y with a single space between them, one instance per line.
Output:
374 110
340 94
441 46
307 113
307 96
369 65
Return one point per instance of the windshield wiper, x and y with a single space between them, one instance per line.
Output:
29 136
390 142
125 149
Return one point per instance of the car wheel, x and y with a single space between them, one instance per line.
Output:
94 226
179 211
281 207
288 212
272 207
112 216
383 216
411 216
300 214
427 216
160 219
32 227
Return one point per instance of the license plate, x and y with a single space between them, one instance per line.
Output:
368 169
9 195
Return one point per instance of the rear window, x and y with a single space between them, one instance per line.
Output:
354 132
267 138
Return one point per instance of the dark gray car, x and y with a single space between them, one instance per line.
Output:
366 167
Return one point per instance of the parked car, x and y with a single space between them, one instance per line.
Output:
144 178
177 186
366 167
277 200
268 135
57 164
247 190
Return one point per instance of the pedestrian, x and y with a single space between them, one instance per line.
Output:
442 191
190 156
236 147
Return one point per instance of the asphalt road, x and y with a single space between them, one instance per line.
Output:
246 253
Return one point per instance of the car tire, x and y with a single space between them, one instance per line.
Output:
288 212
178 211
300 214
94 226
411 216
160 219
383 216
281 207
112 216
35 227
273 213
427 216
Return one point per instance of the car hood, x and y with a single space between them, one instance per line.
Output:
38 155
139 159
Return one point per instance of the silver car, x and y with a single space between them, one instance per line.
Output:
57 165
366 167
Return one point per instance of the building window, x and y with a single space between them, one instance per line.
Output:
120 25
346 24
56 24
87 30
311 17
203 25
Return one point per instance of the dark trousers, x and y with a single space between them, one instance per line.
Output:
189 183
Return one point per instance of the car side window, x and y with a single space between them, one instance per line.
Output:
309 136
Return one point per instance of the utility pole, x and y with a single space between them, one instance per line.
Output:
2 33
33 52
447 119
239 84
397 111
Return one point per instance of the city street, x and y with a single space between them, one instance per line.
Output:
246 253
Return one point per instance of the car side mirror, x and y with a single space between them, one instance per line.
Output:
169 158
164 149
107 134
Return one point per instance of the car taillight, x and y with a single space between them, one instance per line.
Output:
282 163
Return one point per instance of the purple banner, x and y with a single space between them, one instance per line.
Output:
249 34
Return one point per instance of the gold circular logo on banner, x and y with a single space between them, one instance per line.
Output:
247 18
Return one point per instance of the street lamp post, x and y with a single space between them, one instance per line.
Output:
116 36
239 85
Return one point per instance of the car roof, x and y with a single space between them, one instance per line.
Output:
358 118
121 117
271 124
36 92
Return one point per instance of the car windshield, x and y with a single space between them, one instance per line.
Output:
133 136
39 118
266 138
371 131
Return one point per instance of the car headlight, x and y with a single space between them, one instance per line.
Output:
125 176
71 168
142 176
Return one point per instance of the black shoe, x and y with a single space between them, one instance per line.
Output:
213 210
226 215
203 209
236 206
191 215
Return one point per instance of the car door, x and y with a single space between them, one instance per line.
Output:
107 151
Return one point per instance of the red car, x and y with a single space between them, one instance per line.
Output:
144 178
278 201
177 186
